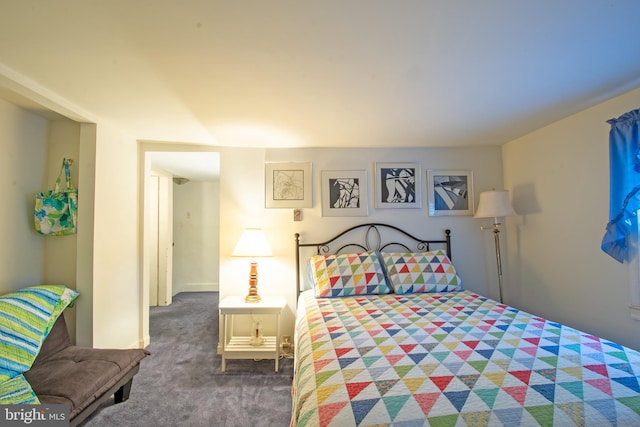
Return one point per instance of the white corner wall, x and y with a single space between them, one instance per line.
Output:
196 224
559 181
107 255
116 260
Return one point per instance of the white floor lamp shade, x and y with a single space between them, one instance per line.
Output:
495 204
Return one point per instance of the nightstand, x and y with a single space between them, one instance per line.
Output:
239 347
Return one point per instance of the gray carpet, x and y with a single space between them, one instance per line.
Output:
181 384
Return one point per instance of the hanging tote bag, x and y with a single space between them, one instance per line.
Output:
56 211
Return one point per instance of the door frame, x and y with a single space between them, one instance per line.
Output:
144 166
160 218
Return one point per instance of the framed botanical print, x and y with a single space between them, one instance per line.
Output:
398 185
288 185
450 192
345 193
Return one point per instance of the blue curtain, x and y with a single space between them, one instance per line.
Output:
624 165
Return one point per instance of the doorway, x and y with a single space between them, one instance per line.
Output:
191 177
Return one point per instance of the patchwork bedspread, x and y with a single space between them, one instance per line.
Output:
454 359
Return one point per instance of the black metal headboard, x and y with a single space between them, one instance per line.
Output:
371 237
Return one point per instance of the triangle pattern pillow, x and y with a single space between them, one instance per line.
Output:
419 272
347 274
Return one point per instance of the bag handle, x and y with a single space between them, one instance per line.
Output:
67 175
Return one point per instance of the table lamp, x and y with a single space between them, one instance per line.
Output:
252 244
495 204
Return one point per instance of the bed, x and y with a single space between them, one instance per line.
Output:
386 335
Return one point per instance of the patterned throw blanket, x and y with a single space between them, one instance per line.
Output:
454 359
26 317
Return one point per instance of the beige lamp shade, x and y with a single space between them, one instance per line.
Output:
494 204
252 244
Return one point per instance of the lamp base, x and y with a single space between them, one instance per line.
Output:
257 338
252 298
256 341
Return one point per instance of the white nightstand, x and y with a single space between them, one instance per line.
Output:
239 347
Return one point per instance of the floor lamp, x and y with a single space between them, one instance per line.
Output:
495 204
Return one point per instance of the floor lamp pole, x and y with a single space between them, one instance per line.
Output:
496 238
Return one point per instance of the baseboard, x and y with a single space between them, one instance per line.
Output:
196 287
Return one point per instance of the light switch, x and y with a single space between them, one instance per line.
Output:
297 215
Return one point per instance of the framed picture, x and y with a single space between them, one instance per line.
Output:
398 185
450 192
288 185
345 193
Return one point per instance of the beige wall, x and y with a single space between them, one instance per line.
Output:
60 251
23 136
242 205
559 180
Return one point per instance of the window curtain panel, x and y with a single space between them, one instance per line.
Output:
624 165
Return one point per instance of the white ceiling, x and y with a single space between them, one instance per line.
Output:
326 73
195 166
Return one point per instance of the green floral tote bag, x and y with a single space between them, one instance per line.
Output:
56 211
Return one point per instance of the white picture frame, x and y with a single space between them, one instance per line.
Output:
398 185
344 193
288 185
450 192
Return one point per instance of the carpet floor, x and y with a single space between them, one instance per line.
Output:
181 383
